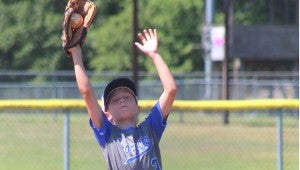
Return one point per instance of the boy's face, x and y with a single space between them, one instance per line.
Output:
122 106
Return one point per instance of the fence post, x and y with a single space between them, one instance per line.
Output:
66 139
279 141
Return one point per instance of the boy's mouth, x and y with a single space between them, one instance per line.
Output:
123 107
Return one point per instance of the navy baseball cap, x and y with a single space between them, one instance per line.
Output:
115 84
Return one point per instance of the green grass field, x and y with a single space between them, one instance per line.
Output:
194 141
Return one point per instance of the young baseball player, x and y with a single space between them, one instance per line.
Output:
126 144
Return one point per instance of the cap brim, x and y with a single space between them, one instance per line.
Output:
117 83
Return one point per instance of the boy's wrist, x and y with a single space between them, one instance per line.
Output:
153 54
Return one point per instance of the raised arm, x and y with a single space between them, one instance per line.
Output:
85 87
149 46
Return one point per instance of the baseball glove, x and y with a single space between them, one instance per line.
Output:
70 36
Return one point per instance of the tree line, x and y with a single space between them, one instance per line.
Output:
31 30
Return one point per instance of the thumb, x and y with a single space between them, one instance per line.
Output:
138 45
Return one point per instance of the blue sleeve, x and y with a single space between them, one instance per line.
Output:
156 121
102 133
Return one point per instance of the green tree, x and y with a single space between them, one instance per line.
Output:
112 43
261 12
179 31
29 39
179 23
31 30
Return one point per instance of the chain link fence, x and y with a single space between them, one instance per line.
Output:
192 86
33 138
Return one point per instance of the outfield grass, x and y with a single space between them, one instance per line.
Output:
194 141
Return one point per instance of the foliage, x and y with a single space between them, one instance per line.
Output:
261 12
112 43
28 41
178 32
31 30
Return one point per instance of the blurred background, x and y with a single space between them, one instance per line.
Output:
216 49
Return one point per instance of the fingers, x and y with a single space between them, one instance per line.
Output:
152 33
147 35
138 45
141 37
155 33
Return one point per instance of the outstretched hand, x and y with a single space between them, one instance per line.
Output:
149 41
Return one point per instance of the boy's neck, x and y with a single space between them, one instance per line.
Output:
125 124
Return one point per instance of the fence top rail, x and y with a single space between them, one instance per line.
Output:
253 104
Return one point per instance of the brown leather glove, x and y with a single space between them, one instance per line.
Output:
71 37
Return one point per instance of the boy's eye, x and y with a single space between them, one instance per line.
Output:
127 98
117 99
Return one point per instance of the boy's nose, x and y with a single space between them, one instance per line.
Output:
122 100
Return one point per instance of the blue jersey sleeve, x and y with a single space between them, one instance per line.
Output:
156 121
102 133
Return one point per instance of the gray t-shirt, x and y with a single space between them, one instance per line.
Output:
134 148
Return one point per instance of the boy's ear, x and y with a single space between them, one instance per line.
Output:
109 116
139 110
